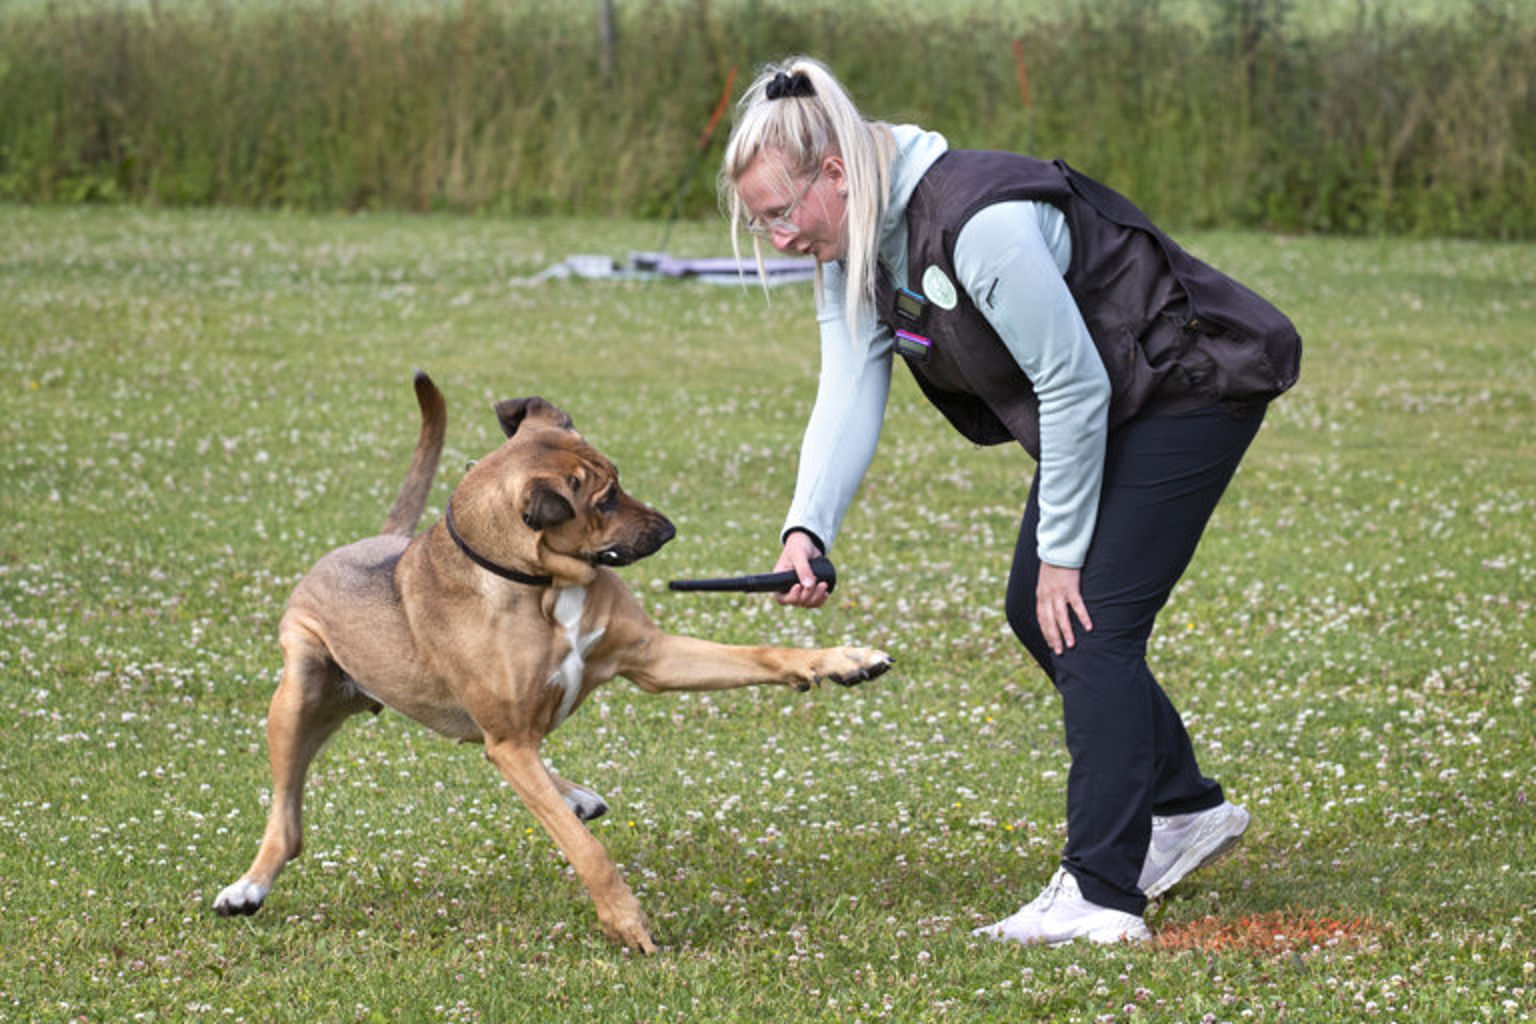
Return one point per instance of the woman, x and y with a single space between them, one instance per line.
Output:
1031 304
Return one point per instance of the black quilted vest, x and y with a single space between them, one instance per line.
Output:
1173 332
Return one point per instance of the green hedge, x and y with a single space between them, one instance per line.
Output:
1237 115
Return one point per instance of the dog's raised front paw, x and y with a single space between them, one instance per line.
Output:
859 664
242 898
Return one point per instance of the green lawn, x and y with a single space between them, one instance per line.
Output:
198 405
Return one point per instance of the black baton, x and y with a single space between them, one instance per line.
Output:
765 583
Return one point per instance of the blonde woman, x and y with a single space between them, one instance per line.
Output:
1031 304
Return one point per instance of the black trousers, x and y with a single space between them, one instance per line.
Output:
1131 756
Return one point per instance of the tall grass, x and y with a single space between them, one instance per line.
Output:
1227 112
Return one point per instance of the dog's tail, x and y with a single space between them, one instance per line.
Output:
412 499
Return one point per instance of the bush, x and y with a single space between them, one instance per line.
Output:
1237 116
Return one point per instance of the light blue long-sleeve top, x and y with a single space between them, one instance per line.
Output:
1010 259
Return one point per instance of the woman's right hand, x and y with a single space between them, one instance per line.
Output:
798 552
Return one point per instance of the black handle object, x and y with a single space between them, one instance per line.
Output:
765 583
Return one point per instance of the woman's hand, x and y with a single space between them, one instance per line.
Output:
798 552
1057 599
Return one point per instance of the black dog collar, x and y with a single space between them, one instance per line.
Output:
489 566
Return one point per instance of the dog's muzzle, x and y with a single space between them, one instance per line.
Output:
631 551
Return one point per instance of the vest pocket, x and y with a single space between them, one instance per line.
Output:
1132 376
1229 366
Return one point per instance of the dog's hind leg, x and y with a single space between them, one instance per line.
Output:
618 911
311 702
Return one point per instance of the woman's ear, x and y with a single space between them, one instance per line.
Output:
833 170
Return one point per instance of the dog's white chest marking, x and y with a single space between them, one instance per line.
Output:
569 603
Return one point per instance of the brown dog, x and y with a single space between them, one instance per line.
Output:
493 626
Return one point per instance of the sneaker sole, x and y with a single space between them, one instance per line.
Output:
1106 938
1101 937
1197 858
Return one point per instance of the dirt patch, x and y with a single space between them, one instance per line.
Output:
1276 932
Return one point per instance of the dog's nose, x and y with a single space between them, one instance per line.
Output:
658 532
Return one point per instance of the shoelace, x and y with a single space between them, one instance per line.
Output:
1052 889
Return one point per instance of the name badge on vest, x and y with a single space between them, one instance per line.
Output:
940 288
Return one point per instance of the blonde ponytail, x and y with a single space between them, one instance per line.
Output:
805 125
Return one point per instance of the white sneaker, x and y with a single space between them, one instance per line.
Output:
1060 914
1182 843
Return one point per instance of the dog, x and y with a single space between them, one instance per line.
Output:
492 626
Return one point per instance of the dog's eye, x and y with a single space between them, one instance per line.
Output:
609 502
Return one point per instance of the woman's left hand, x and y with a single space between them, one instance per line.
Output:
1057 599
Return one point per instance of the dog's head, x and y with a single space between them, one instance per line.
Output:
549 496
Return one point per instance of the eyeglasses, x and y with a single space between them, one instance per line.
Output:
780 222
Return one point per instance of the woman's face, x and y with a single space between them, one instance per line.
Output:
805 214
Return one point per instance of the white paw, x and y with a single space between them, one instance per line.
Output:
587 804
244 897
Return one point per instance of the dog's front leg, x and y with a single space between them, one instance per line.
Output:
667 662
618 911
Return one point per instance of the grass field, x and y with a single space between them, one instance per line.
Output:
199 404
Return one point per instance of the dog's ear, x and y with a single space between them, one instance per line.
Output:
511 412
546 506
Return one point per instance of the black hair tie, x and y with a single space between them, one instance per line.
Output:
785 85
